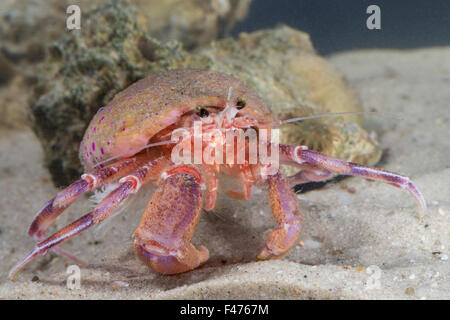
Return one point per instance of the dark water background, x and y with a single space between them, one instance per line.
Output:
338 25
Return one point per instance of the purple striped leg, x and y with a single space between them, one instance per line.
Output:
299 155
287 214
128 185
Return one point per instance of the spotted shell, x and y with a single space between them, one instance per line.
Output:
148 106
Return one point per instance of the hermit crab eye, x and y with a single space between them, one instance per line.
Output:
240 103
202 112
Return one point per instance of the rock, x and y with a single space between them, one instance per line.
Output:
283 67
82 72
192 22
28 27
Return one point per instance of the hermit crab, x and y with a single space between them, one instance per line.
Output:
130 142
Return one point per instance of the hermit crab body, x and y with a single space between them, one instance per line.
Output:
128 141
139 112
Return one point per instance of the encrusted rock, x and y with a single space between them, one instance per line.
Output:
83 71
28 27
281 64
192 22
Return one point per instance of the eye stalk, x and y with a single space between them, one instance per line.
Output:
201 112
240 104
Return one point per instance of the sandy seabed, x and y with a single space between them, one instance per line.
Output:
368 244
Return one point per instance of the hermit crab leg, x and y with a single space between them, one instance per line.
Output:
211 185
287 214
246 176
52 209
128 185
162 240
297 155
308 173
